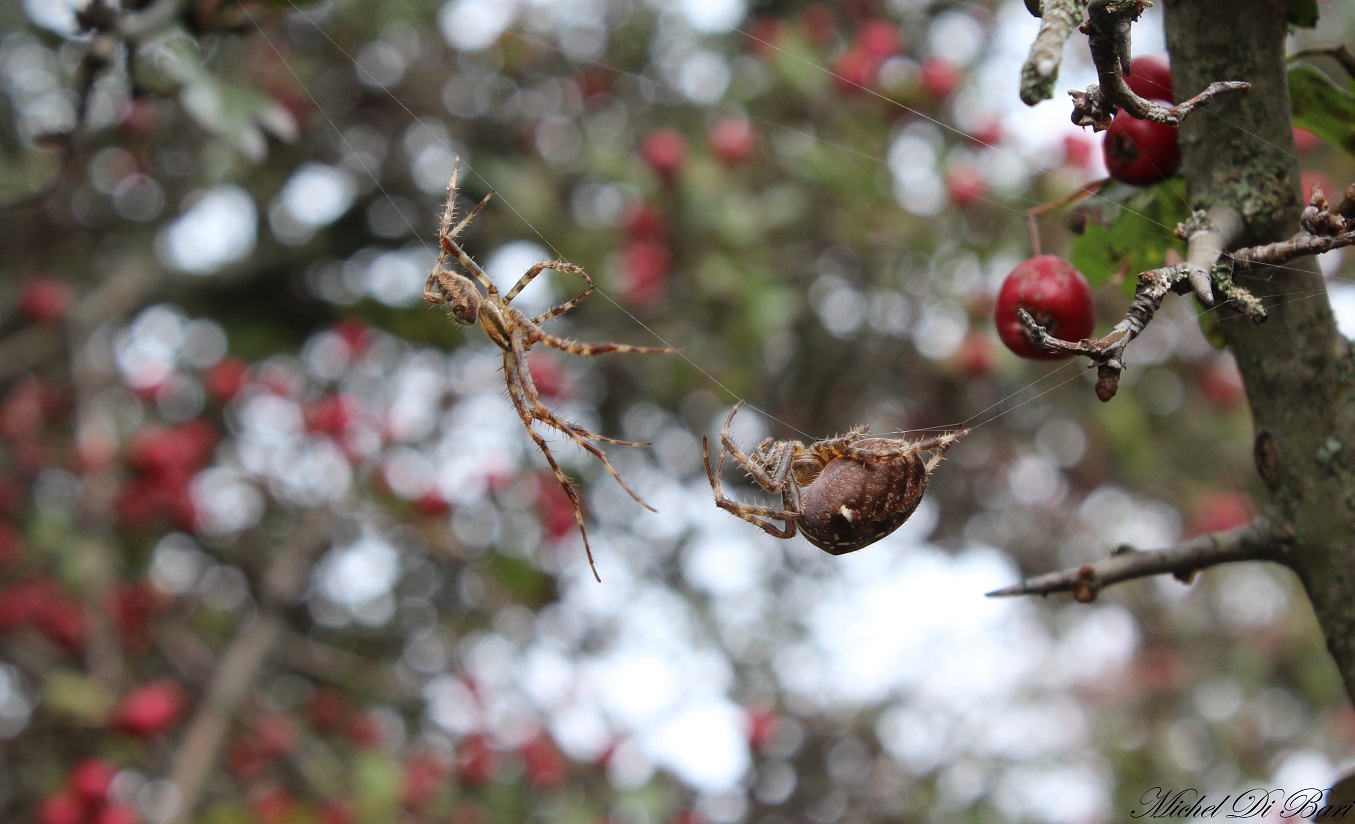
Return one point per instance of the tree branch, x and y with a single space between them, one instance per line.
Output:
1041 69
1322 229
240 663
1253 542
1107 30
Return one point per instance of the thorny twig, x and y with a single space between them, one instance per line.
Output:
240 662
1251 542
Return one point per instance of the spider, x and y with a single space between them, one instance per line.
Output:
842 493
516 333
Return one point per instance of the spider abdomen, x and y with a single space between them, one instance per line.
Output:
852 504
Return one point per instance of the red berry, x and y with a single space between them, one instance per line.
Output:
331 415
335 811
225 378
545 767
11 543
645 265
62 808
476 763
150 709
880 38
1150 77
1077 150
732 139
90 779
940 78
975 355
762 727
1055 294
1308 179
646 222
1217 511
854 70
764 34
1305 141
1221 384
365 731
273 806
326 709
965 185
1140 152
664 151
425 774
275 736
117 814
819 23
44 300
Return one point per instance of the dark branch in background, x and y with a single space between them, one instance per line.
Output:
1340 54
1253 542
1041 69
241 661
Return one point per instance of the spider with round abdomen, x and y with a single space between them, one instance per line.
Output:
841 493
516 333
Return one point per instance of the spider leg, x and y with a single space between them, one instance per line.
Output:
758 515
575 347
774 481
451 247
517 393
515 362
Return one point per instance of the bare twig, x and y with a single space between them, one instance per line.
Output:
1041 69
1245 543
240 663
1322 229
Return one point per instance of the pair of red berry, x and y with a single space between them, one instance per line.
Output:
1138 152
1141 152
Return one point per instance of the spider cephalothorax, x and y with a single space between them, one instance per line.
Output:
515 333
842 493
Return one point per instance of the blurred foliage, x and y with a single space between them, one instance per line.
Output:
211 328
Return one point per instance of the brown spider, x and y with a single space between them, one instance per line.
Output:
843 493
516 333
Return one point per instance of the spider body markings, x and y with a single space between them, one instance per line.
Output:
513 331
841 493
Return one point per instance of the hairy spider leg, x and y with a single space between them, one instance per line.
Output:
754 513
517 393
515 362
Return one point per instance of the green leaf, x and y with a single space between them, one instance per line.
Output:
72 694
1139 238
376 786
1322 107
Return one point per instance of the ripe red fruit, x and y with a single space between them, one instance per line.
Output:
476 763
664 151
762 727
1140 152
225 378
940 78
1055 294
732 139
62 808
1218 511
1150 77
543 764
855 69
880 38
90 779
150 709
425 774
117 814
645 265
1305 141
44 300
965 185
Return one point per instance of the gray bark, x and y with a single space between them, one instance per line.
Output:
1298 369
